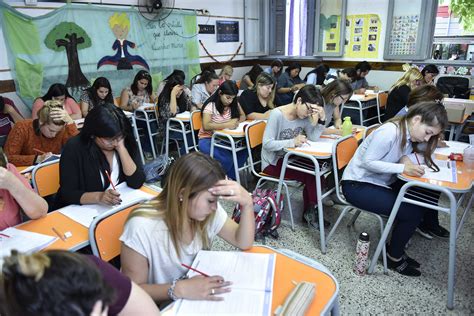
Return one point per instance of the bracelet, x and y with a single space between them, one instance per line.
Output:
171 294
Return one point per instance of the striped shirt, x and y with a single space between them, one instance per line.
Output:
216 117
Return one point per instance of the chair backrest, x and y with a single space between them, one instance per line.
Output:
196 120
254 136
370 129
454 86
382 98
343 151
117 101
105 231
45 178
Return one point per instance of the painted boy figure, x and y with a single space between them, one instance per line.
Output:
120 25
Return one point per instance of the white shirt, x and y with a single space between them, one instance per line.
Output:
377 158
114 172
150 238
199 93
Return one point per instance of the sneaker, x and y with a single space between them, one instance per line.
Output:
313 221
439 232
148 155
424 233
403 267
412 262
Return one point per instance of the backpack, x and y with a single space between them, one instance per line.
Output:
156 169
267 212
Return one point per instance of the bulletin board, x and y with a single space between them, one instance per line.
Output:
331 36
362 36
403 34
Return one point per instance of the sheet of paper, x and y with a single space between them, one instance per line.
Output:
23 241
240 128
447 171
454 147
85 214
252 277
184 115
323 145
359 97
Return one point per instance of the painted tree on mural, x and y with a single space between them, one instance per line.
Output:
70 37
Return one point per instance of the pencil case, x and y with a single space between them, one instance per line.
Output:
298 301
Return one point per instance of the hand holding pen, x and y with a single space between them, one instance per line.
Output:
300 140
110 196
414 170
202 287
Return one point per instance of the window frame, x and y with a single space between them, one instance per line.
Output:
264 16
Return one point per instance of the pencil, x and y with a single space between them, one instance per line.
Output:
110 180
58 234
4 235
39 151
195 270
417 160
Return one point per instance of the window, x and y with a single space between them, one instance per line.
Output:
256 26
329 27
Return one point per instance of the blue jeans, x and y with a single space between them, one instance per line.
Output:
380 200
224 156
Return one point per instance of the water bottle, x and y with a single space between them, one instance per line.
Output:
347 126
362 254
468 158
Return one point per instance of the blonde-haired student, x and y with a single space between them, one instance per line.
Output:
370 180
182 220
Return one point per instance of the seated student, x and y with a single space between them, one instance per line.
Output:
258 102
429 73
225 74
184 219
58 92
141 91
317 75
248 80
420 94
398 94
98 94
105 147
204 87
290 126
203 70
221 111
16 194
360 84
275 69
335 94
9 115
171 101
32 141
288 83
370 180
349 74
58 282
175 73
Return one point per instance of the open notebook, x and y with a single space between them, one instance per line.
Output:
323 145
23 241
252 289
447 169
85 214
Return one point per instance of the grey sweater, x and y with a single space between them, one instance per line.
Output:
280 134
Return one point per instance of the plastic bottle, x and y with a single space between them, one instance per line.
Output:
347 126
362 254
468 157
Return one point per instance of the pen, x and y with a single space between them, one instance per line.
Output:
58 234
110 180
195 270
449 167
416 156
39 151
4 235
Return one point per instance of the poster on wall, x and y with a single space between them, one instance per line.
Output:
403 35
227 31
362 36
331 37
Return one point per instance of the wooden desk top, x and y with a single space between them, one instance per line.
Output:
363 97
288 270
464 119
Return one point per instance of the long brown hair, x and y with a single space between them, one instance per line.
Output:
188 176
336 88
432 113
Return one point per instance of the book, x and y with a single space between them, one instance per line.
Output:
23 241
85 214
251 275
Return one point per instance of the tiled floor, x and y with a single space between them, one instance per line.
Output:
379 293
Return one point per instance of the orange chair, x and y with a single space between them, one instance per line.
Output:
196 124
345 149
105 231
45 178
117 101
382 98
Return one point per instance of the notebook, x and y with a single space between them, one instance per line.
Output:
252 276
323 145
23 241
85 214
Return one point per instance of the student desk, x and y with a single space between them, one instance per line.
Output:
463 187
180 124
455 128
289 267
232 140
62 223
361 103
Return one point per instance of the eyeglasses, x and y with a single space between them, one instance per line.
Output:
344 100
112 140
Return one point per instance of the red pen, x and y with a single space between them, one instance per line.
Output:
110 180
4 235
195 270
39 151
416 156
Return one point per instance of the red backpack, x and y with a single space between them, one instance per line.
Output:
266 210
